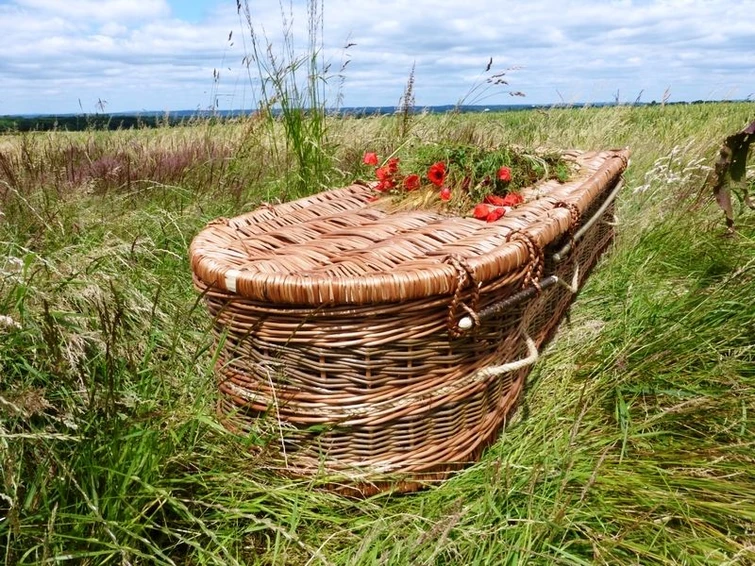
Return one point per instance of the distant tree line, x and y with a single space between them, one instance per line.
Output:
80 122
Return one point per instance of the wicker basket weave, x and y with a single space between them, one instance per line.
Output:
393 342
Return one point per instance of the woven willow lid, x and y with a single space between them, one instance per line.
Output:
337 247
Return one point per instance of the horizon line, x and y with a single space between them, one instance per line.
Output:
373 110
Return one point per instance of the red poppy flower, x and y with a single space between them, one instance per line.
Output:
385 185
445 194
370 158
383 174
437 174
411 182
504 174
495 214
393 165
512 199
495 200
481 211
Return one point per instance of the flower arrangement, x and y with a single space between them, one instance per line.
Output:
467 180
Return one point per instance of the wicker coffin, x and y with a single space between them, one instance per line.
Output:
376 343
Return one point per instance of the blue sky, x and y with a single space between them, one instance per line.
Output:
193 11
67 56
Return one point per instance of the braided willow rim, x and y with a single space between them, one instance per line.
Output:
337 323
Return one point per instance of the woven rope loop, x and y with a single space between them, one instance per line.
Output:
534 272
576 219
464 276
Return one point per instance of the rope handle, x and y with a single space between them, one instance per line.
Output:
596 216
468 322
363 413
532 357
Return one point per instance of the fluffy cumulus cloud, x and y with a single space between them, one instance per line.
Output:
96 10
79 54
67 56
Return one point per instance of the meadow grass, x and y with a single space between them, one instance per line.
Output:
633 443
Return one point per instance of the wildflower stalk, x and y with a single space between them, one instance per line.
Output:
287 99
406 107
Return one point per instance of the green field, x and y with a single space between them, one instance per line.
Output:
634 442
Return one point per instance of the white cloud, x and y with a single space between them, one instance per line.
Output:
97 10
139 55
